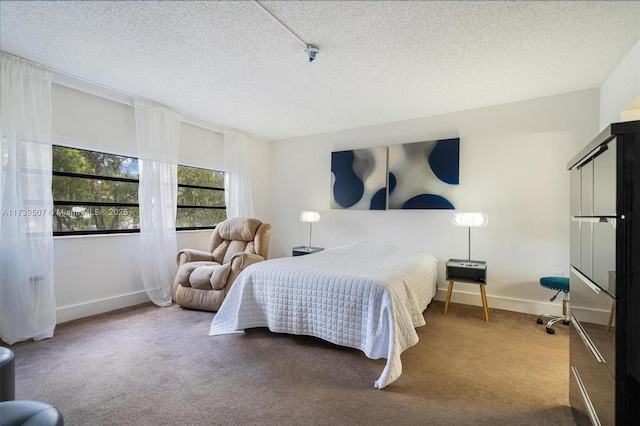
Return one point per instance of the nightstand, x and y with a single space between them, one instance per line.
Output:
474 272
302 250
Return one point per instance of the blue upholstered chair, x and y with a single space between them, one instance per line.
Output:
21 413
558 284
29 413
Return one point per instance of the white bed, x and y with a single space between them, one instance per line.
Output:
361 295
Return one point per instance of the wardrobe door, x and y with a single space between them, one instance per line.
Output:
604 182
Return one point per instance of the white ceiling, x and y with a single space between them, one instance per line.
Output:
230 63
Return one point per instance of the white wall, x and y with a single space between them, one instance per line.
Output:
621 88
512 165
95 274
83 120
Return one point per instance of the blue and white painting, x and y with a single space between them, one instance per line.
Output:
424 175
359 179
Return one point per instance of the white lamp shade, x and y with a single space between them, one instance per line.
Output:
471 219
309 216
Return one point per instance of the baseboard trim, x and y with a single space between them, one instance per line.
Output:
82 310
498 302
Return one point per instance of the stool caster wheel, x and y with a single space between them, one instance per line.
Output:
539 320
551 330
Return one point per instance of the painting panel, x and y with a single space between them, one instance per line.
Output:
359 179
424 175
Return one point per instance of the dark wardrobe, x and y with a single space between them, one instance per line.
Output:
605 278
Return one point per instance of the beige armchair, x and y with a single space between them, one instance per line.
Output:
205 277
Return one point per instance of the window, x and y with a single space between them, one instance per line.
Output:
97 193
200 198
94 192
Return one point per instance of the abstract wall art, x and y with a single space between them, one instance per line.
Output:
424 175
359 179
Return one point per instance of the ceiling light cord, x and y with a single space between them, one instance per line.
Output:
310 49
281 23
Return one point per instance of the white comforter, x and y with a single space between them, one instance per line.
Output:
365 296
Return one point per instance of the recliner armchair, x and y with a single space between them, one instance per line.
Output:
205 277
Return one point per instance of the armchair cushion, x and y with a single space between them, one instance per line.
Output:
183 277
233 236
203 275
208 277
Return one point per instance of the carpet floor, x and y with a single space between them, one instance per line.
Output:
146 365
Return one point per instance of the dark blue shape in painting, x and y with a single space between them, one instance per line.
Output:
392 182
379 200
445 160
348 187
428 201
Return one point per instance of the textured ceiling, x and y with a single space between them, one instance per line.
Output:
230 63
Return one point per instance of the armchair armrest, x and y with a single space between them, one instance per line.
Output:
192 255
239 261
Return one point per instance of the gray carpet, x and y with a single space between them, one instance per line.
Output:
157 366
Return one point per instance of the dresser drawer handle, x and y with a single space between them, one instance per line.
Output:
586 280
587 341
585 396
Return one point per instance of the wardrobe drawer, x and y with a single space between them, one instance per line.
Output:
594 309
592 387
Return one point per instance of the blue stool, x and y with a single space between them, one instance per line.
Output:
559 284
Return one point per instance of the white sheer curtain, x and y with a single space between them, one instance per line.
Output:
157 133
27 300
238 196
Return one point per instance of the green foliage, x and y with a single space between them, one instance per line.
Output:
200 197
70 193
201 177
187 218
70 160
81 189
93 163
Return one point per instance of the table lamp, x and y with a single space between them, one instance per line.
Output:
470 220
310 217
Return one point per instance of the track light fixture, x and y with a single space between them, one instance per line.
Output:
311 51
